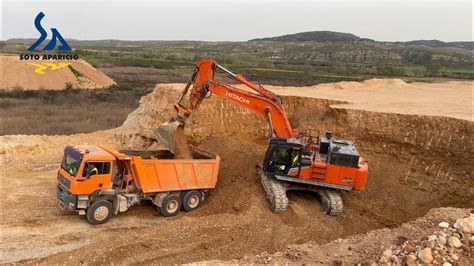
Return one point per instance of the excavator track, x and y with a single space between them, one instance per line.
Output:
331 201
276 193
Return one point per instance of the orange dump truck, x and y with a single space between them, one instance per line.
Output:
101 181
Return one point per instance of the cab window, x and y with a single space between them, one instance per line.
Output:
96 168
281 155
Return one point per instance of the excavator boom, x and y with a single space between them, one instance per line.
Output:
257 100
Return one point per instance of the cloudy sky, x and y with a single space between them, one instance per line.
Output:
231 20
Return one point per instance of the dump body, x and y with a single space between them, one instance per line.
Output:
158 175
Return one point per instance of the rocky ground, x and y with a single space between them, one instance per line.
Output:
425 240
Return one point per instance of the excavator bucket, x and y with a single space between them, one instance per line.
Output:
166 134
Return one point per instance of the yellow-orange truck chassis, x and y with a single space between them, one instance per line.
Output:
101 181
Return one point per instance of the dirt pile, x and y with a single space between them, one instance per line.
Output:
417 242
139 130
50 75
447 244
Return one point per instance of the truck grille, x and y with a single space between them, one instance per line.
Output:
64 181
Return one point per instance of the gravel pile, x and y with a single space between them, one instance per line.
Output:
448 245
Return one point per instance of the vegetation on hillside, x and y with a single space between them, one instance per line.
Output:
67 111
296 59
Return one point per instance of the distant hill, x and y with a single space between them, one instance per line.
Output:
310 36
440 44
341 37
316 36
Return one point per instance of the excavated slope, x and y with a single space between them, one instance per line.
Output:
426 156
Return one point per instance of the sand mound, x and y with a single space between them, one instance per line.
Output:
448 99
139 130
16 73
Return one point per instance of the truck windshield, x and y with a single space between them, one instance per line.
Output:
71 161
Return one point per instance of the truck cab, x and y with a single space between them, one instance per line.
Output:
85 172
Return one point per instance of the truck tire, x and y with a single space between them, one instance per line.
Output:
192 200
171 206
99 212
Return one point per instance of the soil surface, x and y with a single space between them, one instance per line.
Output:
369 248
448 99
416 163
16 73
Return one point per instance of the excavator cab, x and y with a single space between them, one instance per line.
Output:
282 156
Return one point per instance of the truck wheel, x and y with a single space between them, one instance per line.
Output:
171 206
100 212
192 200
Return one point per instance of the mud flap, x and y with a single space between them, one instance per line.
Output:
120 203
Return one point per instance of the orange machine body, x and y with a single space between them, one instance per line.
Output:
130 176
319 171
75 181
146 175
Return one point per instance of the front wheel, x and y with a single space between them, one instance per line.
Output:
100 212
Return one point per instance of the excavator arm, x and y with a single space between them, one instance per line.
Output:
256 103
255 99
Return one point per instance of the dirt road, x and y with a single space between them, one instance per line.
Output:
411 171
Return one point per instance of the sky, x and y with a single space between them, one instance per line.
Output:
231 20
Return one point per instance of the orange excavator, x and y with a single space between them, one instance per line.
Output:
293 161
